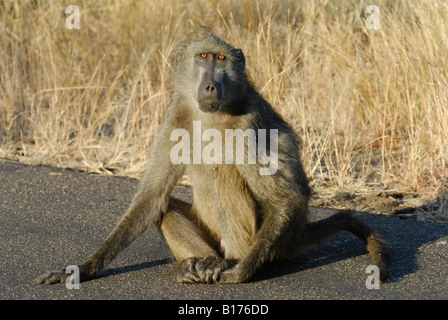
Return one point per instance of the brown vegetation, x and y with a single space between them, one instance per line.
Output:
370 105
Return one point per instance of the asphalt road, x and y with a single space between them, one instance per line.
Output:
51 218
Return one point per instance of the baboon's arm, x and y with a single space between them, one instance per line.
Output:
146 209
148 205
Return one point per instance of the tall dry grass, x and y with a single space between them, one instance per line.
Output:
370 105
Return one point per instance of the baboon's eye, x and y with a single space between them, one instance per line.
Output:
204 55
221 57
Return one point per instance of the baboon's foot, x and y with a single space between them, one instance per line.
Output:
52 277
60 276
203 270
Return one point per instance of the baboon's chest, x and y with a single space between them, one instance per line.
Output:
215 184
223 201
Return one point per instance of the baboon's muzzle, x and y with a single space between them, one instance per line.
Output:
209 94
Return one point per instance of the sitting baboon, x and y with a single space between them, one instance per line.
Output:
245 211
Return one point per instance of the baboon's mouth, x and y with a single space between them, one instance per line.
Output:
209 106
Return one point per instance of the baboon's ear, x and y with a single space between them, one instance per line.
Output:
178 54
240 56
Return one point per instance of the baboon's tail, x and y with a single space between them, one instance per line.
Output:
344 220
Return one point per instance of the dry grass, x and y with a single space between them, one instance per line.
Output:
371 105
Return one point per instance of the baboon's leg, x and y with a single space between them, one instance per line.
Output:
182 233
195 251
293 241
320 230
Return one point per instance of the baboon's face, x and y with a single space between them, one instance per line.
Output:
212 79
210 74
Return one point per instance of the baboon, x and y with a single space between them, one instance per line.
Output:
239 219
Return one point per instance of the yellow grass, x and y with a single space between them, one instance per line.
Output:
370 105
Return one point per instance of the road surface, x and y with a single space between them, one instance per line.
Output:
51 218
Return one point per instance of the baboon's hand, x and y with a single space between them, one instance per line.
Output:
52 277
203 270
235 275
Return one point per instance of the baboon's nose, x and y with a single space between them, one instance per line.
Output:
212 92
210 88
209 97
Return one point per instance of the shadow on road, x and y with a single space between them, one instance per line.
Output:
404 244
135 267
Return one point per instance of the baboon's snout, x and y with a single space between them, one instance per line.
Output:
210 95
